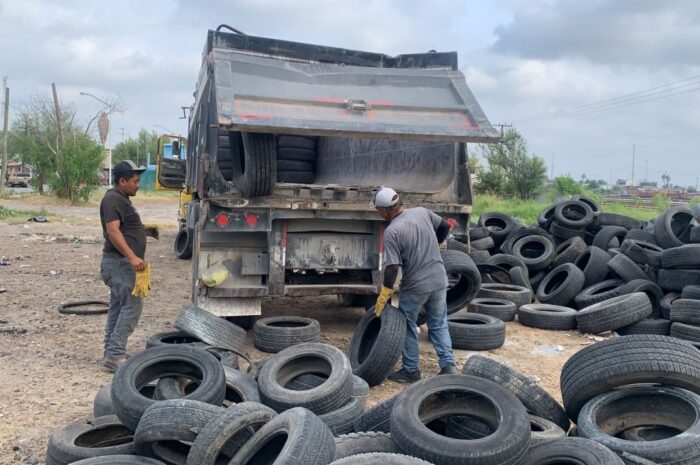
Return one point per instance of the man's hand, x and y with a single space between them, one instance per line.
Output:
152 231
383 298
138 263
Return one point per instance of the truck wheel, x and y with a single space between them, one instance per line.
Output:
183 244
254 168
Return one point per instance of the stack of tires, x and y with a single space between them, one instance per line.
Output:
681 273
296 159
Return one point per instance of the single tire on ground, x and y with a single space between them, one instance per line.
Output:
276 333
94 307
545 316
499 308
471 331
81 440
614 313
210 328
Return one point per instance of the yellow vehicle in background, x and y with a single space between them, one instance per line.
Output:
170 166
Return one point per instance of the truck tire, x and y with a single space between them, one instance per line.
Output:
300 359
471 331
517 294
363 442
210 328
623 267
81 440
644 253
544 316
537 252
594 264
377 418
676 280
599 292
276 333
182 247
380 458
460 265
376 344
227 432
573 214
672 228
504 310
561 285
572 450
296 154
296 142
568 251
662 327
129 403
609 236
614 313
672 407
296 177
535 399
643 358
294 165
254 167
294 437
168 422
507 445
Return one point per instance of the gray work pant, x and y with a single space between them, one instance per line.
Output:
124 309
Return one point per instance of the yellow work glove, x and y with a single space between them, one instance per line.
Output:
383 298
142 285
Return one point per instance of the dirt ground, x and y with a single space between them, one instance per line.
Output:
50 363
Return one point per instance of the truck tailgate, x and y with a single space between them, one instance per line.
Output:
258 93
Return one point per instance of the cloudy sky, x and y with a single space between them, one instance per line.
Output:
583 81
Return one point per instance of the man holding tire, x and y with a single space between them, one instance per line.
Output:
411 242
122 256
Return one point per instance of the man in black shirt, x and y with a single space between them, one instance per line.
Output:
122 256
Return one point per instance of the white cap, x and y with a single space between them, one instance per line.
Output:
385 197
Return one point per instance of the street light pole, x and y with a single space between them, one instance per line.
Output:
104 146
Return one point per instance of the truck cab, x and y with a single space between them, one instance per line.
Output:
288 143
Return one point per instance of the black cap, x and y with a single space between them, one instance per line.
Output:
127 166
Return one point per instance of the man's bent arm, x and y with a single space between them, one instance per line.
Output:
442 231
390 274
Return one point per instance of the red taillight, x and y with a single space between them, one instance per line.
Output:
222 220
251 220
452 222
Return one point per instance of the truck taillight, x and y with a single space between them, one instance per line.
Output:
222 220
452 222
251 220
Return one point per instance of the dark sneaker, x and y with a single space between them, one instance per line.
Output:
113 364
406 377
448 370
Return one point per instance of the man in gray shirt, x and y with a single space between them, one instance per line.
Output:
411 242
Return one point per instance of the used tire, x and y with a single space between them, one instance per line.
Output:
676 280
296 177
276 333
301 359
294 437
471 331
506 261
667 303
609 236
380 458
568 251
102 405
599 292
601 419
571 450
498 224
294 142
691 292
376 344
535 399
295 165
594 264
487 243
686 332
254 166
614 313
561 285
622 221
119 459
623 267
228 432
210 328
694 235
655 326
81 440
537 252
564 233
644 253
651 289
543 431
173 337
672 228
377 418
544 316
507 445
573 214
459 264
686 256
182 247
642 235
363 442
499 308
167 361
643 358
342 420
517 294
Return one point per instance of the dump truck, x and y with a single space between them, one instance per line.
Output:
288 143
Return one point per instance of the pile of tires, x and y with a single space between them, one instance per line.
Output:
296 159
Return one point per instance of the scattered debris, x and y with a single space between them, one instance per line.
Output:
39 219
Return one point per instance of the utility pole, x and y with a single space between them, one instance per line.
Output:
551 168
646 170
122 129
58 116
6 118
633 154
503 125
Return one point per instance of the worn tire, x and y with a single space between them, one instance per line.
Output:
594 264
502 309
210 328
471 331
376 344
691 292
296 177
342 420
182 247
644 253
276 333
377 418
599 292
543 431
102 405
676 280
672 228
517 294
535 399
614 313
672 408
544 316
649 326
609 236
173 338
363 442
563 233
498 224
571 450
487 243
568 251
623 267
686 332
683 257
643 358
641 235
81 440
294 437
295 165
694 235
507 445
301 359
380 458
254 172
573 214
537 252
466 288
622 221
158 362
296 142
119 459
561 285
650 288
228 432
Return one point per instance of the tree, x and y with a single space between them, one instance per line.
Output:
135 149
566 185
511 170
666 179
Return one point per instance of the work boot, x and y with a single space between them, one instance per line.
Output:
406 377
113 364
448 369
